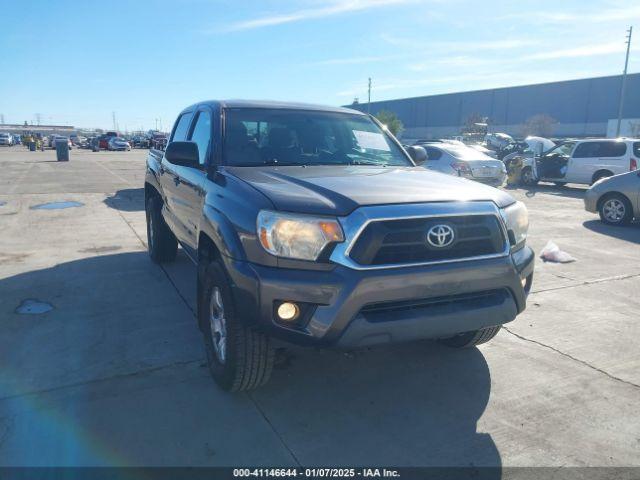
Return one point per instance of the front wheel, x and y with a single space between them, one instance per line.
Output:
471 339
239 357
616 209
527 177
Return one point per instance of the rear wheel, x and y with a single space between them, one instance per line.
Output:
161 242
527 177
615 209
239 356
471 339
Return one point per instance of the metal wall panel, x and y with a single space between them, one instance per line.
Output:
581 107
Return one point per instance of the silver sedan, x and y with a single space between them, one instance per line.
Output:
462 161
616 199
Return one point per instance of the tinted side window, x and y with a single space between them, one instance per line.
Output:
600 149
587 150
433 153
202 134
181 128
612 149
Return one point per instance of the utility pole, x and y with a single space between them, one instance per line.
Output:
115 126
624 81
369 98
38 118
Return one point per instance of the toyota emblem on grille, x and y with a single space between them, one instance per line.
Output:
440 236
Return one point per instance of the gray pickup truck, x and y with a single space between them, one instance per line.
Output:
313 226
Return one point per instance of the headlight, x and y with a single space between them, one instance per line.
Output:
516 219
302 237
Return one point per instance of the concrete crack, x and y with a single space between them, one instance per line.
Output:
588 282
103 379
273 428
586 364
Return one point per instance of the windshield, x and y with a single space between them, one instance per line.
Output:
564 149
293 137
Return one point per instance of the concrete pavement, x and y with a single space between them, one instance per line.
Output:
115 374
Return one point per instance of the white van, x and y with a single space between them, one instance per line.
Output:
583 161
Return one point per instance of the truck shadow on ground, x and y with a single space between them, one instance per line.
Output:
414 404
629 233
127 200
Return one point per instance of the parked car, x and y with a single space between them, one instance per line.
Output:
462 161
53 139
6 139
496 141
583 161
313 225
616 199
118 143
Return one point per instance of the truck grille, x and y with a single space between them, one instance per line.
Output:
404 241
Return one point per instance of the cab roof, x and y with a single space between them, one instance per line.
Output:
271 104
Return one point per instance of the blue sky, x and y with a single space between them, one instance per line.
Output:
75 62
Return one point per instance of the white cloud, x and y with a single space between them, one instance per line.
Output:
355 60
601 16
334 8
583 51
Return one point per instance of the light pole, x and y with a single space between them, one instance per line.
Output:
624 81
369 98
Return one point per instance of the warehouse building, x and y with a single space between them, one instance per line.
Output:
577 108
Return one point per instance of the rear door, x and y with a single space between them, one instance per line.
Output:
434 159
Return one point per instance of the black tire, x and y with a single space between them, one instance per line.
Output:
615 209
471 339
161 242
599 175
526 177
560 184
249 355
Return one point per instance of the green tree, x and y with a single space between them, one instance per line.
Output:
391 120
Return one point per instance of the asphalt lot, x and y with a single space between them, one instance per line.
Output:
115 373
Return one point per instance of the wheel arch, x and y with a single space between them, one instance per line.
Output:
598 174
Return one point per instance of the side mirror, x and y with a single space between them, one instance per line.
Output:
184 154
418 154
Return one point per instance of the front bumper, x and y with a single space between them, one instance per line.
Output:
591 198
350 308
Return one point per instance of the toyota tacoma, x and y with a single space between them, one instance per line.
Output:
313 226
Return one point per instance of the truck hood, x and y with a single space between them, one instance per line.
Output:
338 190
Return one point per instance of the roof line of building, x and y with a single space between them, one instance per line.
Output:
494 89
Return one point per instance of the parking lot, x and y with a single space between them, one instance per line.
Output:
115 372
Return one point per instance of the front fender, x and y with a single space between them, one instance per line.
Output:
222 232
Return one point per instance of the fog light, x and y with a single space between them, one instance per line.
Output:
524 282
288 311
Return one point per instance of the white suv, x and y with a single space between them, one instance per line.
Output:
583 161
